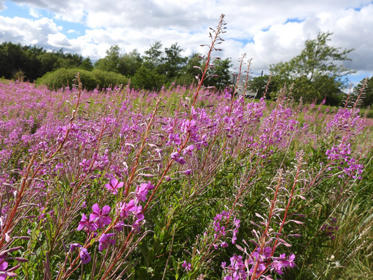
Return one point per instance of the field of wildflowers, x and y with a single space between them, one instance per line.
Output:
182 184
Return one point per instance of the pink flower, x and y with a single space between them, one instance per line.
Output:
142 191
100 216
85 257
105 241
86 224
187 266
114 185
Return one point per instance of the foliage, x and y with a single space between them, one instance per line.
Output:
147 78
318 163
106 79
63 77
259 85
219 74
365 85
35 62
318 69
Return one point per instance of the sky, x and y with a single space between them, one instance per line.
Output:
268 31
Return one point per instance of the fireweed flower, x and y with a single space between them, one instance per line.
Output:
114 185
142 191
85 257
176 157
105 241
241 268
100 216
86 224
187 266
129 209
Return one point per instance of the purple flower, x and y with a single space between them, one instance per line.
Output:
114 185
126 208
187 266
189 149
187 172
85 257
176 157
106 240
3 264
100 216
86 224
142 191
74 245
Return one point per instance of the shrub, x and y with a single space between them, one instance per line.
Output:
66 77
108 79
63 77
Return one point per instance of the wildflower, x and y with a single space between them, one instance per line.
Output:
105 240
176 157
142 191
86 224
85 257
187 266
100 216
114 185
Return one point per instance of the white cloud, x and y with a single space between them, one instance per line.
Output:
137 24
34 13
43 32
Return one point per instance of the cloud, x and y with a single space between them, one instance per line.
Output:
269 31
43 32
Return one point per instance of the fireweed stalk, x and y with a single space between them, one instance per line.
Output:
172 159
176 155
15 215
261 259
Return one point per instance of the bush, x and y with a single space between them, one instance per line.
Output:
66 77
146 78
63 77
108 79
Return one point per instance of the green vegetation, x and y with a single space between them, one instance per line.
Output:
316 74
33 62
92 79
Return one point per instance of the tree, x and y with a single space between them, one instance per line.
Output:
316 59
190 70
219 74
147 78
259 85
172 62
111 61
153 56
129 63
367 96
318 66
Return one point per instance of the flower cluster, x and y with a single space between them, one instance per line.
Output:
340 157
261 260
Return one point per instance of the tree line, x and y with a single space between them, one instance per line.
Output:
316 74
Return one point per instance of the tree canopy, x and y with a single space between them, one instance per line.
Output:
313 75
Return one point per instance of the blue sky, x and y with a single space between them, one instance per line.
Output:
268 31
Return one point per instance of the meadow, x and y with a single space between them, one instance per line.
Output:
184 183
127 184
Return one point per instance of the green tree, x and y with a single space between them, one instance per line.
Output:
173 62
219 74
367 96
319 66
111 61
147 78
129 63
190 70
153 56
259 84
